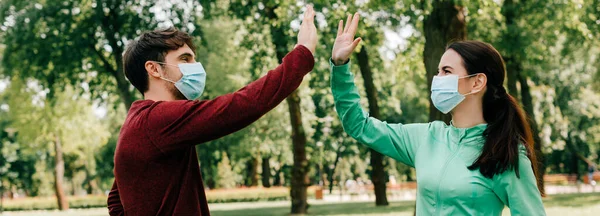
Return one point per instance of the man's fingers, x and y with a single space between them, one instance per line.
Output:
309 16
305 14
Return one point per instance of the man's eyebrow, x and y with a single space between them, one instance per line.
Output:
186 54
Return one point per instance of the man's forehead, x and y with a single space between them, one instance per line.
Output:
184 50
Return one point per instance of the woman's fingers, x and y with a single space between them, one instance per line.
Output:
347 23
354 25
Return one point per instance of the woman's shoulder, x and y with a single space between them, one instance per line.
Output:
436 127
429 129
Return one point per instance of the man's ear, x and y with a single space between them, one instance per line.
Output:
152 69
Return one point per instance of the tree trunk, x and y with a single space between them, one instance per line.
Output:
514 70
378 172
123 86
300 168
1 197
266 173
575 165
332 171
11 192
73 187
571 146
92 187
408 174
299 179
537 141
445 23
252 171
59 173
511 41
277 177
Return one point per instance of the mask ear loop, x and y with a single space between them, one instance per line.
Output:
165 79
468 76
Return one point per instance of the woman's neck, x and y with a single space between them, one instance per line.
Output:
468 114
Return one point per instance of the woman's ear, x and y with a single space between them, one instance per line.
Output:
480 82
152 69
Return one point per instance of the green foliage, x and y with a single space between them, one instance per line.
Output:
74 41
39 122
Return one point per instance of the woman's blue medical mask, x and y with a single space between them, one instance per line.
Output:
193 81
444 92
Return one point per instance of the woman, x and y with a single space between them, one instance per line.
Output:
479 163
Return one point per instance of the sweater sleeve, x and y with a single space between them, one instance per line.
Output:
177 124
115 208
521 195
397 141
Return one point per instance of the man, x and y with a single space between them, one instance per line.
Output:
156 167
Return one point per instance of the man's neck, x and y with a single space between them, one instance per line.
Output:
158 95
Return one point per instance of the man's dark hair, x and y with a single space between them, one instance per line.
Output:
151 46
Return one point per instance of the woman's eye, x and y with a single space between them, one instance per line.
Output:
447 72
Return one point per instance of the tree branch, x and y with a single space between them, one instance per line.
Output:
105 62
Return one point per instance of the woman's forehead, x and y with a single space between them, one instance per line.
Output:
451 59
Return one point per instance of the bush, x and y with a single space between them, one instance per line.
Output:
49 203
251 194
213 196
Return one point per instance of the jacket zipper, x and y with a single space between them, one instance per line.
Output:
437 200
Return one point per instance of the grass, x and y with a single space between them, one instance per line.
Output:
323 208
213 196
559 205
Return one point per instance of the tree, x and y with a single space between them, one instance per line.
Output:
225 177
34 116
81 39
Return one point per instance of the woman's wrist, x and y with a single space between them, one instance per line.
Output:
338 62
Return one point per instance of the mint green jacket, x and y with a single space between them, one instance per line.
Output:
440 154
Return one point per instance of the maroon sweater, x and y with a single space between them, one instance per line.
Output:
156 166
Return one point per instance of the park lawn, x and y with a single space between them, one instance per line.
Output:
559 205
587 204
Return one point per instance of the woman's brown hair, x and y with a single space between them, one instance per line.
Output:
508 127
